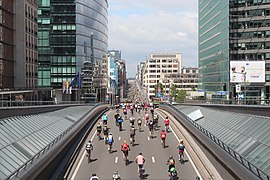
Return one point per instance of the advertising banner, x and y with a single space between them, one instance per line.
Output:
247 71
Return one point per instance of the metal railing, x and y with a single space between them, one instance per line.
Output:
36 103
252 168
265 102
48 147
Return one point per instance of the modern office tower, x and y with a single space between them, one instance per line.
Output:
26 52
70 34
7 58
160 68
234 47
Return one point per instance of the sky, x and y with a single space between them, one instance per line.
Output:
141 27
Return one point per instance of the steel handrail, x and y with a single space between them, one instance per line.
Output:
251 167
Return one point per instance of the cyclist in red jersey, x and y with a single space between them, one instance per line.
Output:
125 148
163 135
166 123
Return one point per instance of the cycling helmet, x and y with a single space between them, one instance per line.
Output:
170 156
110 133
139 117
94 174
163 130
116 172
181 140
140 153
89 141
125 142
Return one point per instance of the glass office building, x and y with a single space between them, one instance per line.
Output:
234 31
69 33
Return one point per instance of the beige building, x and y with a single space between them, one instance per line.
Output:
157 68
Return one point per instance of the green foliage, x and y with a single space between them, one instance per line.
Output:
161 88
181 96
173 90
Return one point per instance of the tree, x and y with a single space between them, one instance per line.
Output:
157 86
173 90
181 96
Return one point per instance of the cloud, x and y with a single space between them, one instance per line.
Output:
141 27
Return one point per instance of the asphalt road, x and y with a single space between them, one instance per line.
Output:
105 164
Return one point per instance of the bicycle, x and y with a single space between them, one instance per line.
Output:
141 171
132 140
167 127
163 142
88 155
126 157
110 147
98 135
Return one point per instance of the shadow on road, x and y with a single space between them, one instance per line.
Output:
136 144
113 151
184 161
92 160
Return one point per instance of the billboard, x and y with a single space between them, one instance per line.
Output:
247 71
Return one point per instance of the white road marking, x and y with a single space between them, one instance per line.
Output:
119 138
153 159
148 138
192 163
84 154
80 162
116 159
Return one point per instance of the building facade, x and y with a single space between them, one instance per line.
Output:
232 32
26 52
188 80
7 43
71 34
159 68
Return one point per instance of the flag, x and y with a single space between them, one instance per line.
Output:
76 81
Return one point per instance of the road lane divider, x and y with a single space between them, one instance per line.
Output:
116 160
148 138
192 163
119 138
153 159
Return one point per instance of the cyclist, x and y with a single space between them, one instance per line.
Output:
132 121
181 148
120 121
163 137
116 175
166 123
116 117
151 127
105 132
139 122
170 162
140 161
146 117
131 109
156 121
99 129
89 148
125 112
94 177
152 112
125 148
132 135
105 118
173 173
110 142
